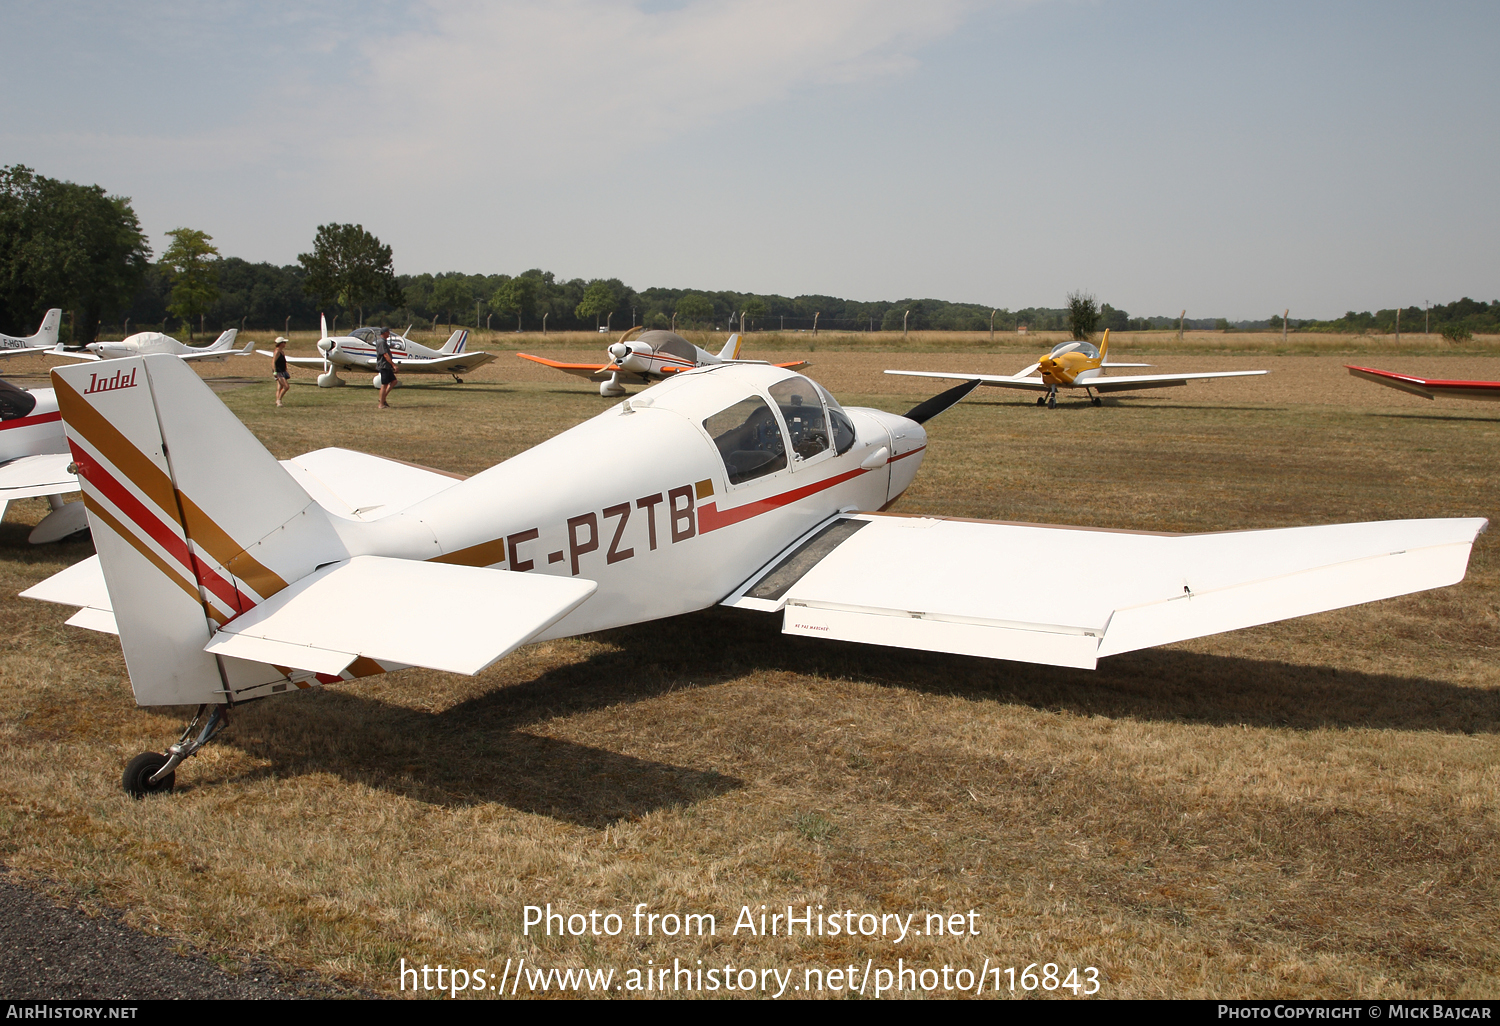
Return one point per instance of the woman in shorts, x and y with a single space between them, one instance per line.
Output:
278 369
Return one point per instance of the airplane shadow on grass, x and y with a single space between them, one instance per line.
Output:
481 751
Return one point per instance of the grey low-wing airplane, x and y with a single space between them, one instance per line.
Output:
43 341
356 350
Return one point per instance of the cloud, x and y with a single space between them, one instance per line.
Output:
527 85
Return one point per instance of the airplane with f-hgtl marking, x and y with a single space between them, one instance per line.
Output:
41 342
1078 364
229 576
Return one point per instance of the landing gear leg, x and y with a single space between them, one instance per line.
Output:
1094 398
156 772
458 379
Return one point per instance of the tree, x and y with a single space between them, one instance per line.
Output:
517 296
65 245
755 308
1083 314
192 263
598 299
451 292
349 266
693 307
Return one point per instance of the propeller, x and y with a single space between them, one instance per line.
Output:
1027 372
923 412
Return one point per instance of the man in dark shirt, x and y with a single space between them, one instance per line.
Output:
385 365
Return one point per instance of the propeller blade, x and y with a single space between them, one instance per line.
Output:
923 412
1027 372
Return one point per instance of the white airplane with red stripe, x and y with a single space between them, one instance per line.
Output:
44 339
34 460
356 351
231 577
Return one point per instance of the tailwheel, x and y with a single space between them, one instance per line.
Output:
156 772
142 768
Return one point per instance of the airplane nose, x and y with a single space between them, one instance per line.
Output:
325 345
619 351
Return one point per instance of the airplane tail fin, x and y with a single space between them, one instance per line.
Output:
46 335
194 521
225 340
731 350
1104 346
455 343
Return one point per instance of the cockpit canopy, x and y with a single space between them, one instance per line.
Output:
1083 348
368 334
15 403
753 441
669 342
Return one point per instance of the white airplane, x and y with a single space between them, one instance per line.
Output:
229 576
44 339
651 356
357 350
34 461
1079 365
144 343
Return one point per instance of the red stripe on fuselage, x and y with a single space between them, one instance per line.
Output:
40 418
711 519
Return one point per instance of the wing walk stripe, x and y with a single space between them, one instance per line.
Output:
172 575
104 436
710 518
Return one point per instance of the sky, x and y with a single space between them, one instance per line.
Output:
1232 159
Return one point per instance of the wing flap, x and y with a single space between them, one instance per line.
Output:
470 616
1014 591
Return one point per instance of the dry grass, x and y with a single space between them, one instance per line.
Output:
1306 808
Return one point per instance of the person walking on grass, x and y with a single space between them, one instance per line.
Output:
279 371
386 365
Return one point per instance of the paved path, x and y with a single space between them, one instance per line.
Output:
50 952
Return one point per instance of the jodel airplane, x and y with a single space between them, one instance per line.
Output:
143 343
651 356
357 350
44 339
1079 365
34 461
229 576
1429 388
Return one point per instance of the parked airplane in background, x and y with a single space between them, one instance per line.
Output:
1079 365
44 339
34 460
144 343
651 356
229 576
1429 388
357 350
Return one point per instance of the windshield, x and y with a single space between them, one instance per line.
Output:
1086 348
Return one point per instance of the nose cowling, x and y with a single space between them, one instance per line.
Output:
631 356
325 345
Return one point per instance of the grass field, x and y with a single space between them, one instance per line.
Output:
1307 808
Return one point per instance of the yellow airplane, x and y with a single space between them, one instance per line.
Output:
1078 365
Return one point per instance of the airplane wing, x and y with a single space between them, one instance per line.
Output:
591 371
455 363
364 487
220 354
72 354
471 616
298 361
962 586
1429 388
31 476
81 584
997 380
1106 383
794 365
6 354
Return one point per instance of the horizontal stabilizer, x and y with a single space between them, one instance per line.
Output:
969 587
356 484
471 616
81 584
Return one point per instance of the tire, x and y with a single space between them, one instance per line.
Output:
137 779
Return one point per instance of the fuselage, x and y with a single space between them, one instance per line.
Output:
348 351
38 432
1070 365
642 500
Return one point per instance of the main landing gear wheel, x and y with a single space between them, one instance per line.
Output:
1096 401
1041 400
142 768
458 379
1052 402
